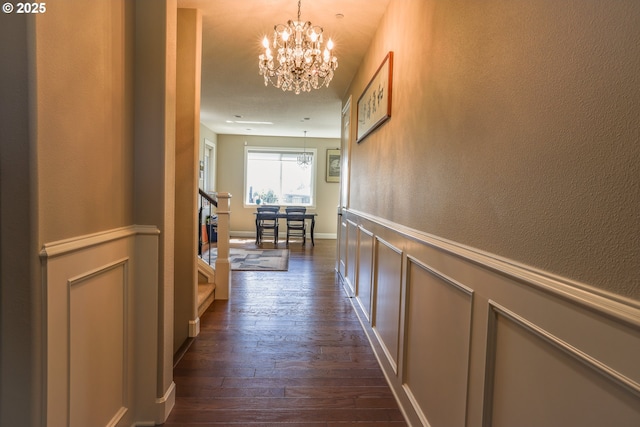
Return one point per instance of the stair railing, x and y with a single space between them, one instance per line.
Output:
218 223
207 222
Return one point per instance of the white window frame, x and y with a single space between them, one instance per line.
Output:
314 171
209 178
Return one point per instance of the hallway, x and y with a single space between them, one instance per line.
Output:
286 348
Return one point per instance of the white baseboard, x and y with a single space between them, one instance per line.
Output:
194 327
165 403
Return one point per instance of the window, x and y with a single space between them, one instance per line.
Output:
272 176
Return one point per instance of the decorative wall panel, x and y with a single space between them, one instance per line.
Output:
536 379
97 351
468 339
101 328
352 256
438 333
388 294
365 272
342 246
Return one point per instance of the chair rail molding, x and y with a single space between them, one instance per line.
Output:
101 326
465 337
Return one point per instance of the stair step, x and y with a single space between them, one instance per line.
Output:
206 296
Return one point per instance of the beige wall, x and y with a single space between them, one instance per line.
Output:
19 283
73 149
491 240
189 48
85 149
78 151
231 179
155 154
514 130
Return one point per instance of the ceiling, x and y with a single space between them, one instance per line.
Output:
232 89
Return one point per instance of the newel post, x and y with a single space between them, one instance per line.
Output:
223 265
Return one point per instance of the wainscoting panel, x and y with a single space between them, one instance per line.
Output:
352 254
97 351
342 246
101 327
437 340
388 298
365 272
469 339
561 384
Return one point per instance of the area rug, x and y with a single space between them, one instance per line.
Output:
253 259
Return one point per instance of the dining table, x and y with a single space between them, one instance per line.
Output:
283 215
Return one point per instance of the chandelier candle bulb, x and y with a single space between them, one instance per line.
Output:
302 64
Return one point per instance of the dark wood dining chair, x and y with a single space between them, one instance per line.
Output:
267 222
296 224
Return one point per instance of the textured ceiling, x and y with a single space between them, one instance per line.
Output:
232 32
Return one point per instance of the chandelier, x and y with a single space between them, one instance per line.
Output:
300 64
304 159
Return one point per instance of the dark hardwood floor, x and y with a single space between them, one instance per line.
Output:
285 350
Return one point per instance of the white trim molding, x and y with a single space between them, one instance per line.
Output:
194 327
483 340
101 328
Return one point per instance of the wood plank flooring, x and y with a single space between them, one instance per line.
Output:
285 350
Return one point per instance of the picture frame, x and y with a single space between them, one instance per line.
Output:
333 165
374 105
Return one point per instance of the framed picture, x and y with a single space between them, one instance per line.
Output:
374 105
333 165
